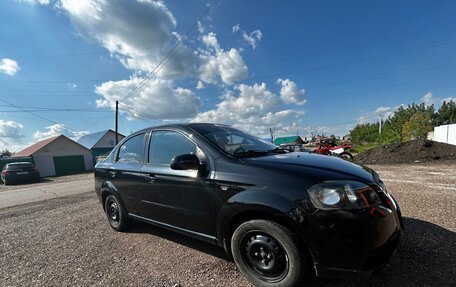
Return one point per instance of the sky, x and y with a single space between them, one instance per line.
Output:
298 67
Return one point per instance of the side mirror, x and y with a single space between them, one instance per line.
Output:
185 162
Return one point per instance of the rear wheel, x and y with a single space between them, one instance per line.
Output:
115 214
346 155
267 254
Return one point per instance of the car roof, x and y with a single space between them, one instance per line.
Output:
180 126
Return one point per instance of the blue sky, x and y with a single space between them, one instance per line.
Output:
294 66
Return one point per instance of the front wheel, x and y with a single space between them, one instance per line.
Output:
346 155
115 214
267 254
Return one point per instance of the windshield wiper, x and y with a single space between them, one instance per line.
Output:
250 153
279 150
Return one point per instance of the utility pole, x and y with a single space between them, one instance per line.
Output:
117 122
380 126
272 134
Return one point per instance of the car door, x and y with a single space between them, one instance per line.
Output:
125 173
180 198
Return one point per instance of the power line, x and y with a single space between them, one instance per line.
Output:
170 53
53 110
39 116
385 75
361 44
348 94
173 51
357 61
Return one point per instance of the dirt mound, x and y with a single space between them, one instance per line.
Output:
408 152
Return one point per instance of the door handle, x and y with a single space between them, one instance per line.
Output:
150 178
113 173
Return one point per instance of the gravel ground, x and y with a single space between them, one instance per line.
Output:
67 242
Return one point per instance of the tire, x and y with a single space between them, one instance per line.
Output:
346 155
115 213
267 254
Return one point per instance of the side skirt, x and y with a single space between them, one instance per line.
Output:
198 235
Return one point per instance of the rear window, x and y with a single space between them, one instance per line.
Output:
19 166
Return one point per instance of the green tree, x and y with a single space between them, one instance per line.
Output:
6 153
446 114
393 128
418 126
364 133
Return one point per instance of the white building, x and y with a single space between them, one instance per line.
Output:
58 156
445 134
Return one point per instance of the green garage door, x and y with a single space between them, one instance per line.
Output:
69 164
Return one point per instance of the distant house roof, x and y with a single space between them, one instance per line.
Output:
35 147
39 145
90 140
286 140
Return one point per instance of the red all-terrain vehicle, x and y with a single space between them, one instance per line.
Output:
327 147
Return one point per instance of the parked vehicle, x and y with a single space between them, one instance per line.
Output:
330 148
279 214
19 172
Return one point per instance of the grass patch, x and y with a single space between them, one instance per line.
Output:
361 148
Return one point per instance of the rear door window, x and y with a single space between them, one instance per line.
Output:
132 149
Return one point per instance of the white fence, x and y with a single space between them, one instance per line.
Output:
445 134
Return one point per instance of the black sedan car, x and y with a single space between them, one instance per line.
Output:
279 214
19 172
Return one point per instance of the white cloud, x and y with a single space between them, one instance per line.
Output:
337 130
58 129
139 33
252 38
231 66
427 99
9 67
201 28
33 2
158 99
10 129
290 92
228 66
200 85
374 116
11 135
449 99
254 109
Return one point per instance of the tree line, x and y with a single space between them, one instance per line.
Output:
411 122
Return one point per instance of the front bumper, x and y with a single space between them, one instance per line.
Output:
352 243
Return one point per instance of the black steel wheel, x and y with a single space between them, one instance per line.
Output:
267 254
115 213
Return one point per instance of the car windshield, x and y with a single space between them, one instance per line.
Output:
236 142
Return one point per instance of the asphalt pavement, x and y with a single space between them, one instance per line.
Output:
46 189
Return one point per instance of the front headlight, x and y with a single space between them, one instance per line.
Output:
343 195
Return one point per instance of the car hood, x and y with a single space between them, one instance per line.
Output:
321 166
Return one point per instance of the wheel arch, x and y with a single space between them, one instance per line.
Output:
109 189
259 212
